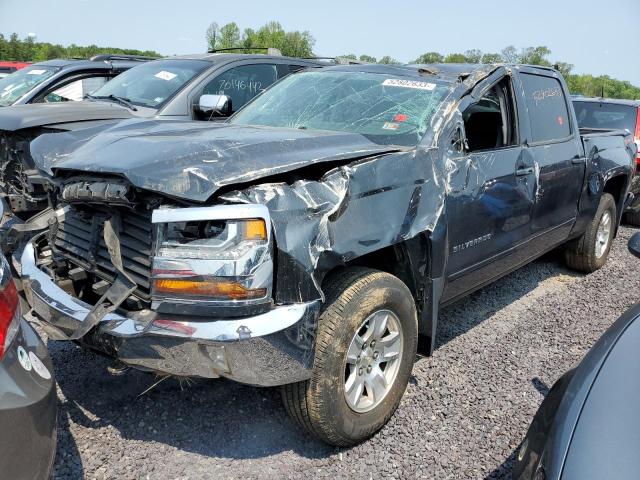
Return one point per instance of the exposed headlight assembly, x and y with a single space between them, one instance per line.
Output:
212 256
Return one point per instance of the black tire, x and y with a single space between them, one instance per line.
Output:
318 405
580 254
632 218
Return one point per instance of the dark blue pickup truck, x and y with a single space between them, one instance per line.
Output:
310 240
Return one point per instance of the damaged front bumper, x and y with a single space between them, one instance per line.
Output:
273 348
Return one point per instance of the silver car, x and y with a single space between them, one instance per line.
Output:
28 403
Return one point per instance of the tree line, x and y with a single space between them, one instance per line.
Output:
579 84
270 35
29 50
300 44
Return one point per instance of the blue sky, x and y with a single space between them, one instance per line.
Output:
597 37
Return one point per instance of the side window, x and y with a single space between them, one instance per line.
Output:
491 123
76 90
547 108
243 83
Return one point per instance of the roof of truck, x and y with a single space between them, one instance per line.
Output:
618 101
225 57
100 61
442 70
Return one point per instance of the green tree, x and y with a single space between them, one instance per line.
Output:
564 68
387 60
229 36
430 57
455 58
535 56
213 36
15 48
368 59
492 58
510 54
473 56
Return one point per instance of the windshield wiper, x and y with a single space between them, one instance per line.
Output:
121 100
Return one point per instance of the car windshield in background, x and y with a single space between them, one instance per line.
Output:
387 110
15 85
606 115
152 83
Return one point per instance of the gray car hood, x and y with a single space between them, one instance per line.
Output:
57 114
192 160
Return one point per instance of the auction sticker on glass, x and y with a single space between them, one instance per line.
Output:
163 75
398 82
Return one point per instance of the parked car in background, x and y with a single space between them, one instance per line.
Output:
595 114
176 88
28 401
9 67
63 79
587 426
310 240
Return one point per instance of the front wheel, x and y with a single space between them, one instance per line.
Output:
365 348
590 252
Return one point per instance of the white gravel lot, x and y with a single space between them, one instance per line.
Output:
465 411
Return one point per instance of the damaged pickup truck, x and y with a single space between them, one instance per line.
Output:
309 241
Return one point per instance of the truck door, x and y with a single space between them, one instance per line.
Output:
558 156
491 199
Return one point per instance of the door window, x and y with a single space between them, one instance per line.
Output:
490 123
243 83
76 90
547 107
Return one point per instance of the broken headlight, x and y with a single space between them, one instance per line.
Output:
212 256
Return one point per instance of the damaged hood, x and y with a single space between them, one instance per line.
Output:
57 114
192 160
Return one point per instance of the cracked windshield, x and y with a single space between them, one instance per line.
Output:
386 109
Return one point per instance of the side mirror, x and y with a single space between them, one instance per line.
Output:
215 105
634 244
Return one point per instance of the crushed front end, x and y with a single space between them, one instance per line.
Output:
172 289
20 183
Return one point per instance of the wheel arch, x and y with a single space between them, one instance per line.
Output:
617 187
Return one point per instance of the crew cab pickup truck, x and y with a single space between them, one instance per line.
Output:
170 88
598 114
309 241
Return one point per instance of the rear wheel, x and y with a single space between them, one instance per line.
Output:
590 252
365 347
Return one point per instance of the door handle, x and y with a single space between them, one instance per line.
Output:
524 171
578 160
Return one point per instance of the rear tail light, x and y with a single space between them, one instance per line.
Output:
9 308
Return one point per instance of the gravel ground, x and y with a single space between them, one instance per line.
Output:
464 413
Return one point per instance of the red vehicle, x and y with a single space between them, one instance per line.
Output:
606 113
9 67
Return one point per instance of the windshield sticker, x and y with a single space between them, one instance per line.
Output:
401 117
39 367
23 358
35 72
396 82
164 75
390 126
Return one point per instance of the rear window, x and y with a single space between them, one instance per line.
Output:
547 107
603 115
